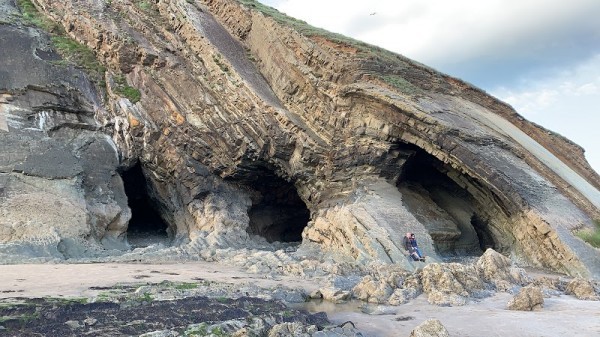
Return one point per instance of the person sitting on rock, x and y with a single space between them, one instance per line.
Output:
410 244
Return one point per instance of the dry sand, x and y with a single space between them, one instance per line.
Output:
561 316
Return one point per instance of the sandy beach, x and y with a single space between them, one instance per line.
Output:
561 315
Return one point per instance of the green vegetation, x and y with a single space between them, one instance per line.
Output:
399 83
222 299
591 236
69 49
79 54
33 17
218 332
146 297
144 5
197 330
129 92
186 286
66 301
308 30
369 53
104 297
223 66
24 319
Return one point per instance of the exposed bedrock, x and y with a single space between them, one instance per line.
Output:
60 194
249 131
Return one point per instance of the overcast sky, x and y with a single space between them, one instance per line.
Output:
540 56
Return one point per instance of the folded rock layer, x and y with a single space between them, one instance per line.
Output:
249 124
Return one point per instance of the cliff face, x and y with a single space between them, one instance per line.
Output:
254 127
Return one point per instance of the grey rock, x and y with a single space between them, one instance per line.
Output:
430 328
530 298
90 321
290 295
161 333
73 324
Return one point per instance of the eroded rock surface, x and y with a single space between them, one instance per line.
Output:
528 298
582 289
430 328
250 132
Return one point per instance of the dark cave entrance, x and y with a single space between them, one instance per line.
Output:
454 218
481 227
277 213
146 227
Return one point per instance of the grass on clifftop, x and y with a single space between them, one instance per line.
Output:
68 48
308 30
591 236
365 50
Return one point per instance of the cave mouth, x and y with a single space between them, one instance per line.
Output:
146 226
277 214
454 218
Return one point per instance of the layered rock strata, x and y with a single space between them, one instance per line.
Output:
252 125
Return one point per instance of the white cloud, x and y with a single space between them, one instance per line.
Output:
568 103
441 31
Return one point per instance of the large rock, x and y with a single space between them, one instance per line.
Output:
582 289
497 269
292 330
372 290
529 298
430 328
450 284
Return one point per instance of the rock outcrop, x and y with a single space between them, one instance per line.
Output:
430 328
251 128
528 299
582 289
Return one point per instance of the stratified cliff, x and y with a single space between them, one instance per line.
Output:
245 125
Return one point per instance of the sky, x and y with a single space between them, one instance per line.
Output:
540 56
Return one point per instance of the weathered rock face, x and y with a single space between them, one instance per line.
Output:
248 128
430 328
528 299
60 194
582 289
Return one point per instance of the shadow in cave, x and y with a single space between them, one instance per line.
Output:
146 227
277 213
452 215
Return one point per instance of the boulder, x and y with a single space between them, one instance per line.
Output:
450 284
582 289
335 295
430 328
529 298
292 330
497 269
372 290
402 296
